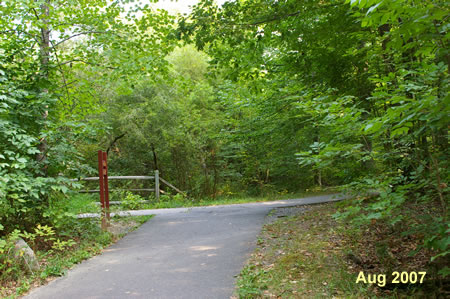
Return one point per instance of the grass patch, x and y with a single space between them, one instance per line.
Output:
83 203
310 256
88 203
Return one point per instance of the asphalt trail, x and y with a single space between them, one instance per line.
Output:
179 253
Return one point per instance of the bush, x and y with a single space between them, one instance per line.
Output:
131 201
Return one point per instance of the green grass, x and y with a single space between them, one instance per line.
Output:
299 257
88 203
307 256
82 203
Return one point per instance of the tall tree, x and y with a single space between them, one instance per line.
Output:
368 82
56 55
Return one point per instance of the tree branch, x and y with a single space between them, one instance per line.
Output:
87 62
78 34
35 13
60 69
12 31
66 85
273 19
114 141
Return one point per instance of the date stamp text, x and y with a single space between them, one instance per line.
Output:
397 277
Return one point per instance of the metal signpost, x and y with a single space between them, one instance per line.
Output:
104 190
103 183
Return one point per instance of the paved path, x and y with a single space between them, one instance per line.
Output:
180 253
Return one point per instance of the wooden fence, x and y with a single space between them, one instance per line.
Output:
132 177
158 180
104 179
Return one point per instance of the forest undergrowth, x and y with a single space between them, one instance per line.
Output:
56 252
249 97
313 255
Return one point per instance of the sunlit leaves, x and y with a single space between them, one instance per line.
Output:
92 44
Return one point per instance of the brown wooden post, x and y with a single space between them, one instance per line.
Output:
105 183
102 189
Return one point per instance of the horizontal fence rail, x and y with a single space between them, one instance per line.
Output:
103 177
132 177
128 177
137 190
157 178
120 202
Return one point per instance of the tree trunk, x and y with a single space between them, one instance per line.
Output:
216 176
206 187
155 159
318 174
45 60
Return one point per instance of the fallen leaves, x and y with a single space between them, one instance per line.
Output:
304 256
295 257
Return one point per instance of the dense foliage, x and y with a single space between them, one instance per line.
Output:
275 96
55 57
357 90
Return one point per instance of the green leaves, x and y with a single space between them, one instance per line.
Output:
57 58
355 91
373 8
373 127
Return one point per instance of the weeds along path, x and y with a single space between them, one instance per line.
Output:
180 253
